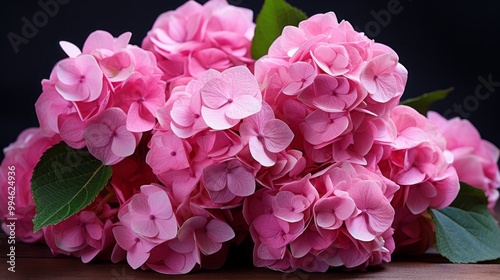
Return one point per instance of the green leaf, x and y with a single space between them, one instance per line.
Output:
274 16
64 182
424 101
466 232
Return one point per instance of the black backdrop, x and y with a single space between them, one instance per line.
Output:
441 45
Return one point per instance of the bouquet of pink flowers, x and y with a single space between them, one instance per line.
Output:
219 131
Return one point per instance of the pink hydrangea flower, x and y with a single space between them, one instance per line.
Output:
226 180
265 135
140 97
418 161
174 256
107 137
79 78
168 152
229 97
20 160
146 220
194 38
413 234
384 78
341 216
85 234
208 233
334 88
107 73
474 159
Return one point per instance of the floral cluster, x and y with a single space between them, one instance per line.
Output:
307 152
102 97
195 38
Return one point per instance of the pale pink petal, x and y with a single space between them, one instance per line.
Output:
98 40
216 93
145 226
243 106
259 153
94 230
159 205
216 119
358 228
411 176
70 49
167 229
277 135
139 119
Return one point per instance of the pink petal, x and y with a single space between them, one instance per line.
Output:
73 237
145 226
216 93
139 119
207 246
223 196
358 228
277 135
216 119
124 237
70 49
159 205
94 231
139 205
219 231
240 182
136 256
242 82
326 219
260 154
344 209
243 106
411 176
214 176
98 40
124 142
167 228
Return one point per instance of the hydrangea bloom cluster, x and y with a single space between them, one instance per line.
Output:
474 159
102 97
23 155
335 88
309 154
194 38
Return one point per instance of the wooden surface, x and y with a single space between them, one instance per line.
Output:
34 261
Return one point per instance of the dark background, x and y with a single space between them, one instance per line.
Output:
441 44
